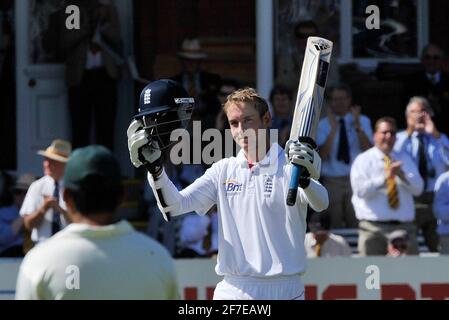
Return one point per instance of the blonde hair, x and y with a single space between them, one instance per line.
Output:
249 96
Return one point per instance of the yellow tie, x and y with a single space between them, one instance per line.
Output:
392 190
318 250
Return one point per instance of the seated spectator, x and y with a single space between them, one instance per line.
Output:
320 242
441 210
398 243
11 223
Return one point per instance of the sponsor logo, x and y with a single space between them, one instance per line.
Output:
233 186
320 45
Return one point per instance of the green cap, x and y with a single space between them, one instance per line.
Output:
90 168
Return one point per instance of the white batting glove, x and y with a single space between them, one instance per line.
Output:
141 150
302 154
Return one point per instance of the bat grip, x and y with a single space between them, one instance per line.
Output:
294 183
163 204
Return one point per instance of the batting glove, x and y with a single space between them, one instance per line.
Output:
142 149
303 153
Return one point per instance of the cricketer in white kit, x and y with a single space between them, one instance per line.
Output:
261 240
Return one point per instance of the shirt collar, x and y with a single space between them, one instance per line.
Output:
272 155
90 231
380 154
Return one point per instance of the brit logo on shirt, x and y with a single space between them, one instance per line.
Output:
233 186
267 185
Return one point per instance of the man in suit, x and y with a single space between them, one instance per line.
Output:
433 83
201 85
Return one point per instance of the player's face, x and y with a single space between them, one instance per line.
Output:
245 123
416 117
385 137
54 169
340 102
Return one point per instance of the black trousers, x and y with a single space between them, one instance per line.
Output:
93 102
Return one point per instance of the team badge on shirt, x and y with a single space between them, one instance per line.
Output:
233 186
267 185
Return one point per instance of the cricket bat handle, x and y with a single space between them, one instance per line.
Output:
297 173
294 183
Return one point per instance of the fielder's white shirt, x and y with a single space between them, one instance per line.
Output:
109 262
369 191
259 235
34 199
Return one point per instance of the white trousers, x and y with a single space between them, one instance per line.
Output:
251 288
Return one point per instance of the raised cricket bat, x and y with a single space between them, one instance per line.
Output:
309 101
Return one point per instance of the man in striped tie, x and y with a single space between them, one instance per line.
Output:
384 182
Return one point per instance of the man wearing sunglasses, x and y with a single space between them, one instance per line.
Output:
433 83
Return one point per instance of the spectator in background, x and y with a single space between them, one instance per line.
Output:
198 235
282 109
195 232
227 87
201 85
320 242
432 83
11 223
441 210
289 64
341 136
383 183
113 260
92 57
43 210
398 243
429 150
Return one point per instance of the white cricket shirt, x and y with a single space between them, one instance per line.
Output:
111 262
259 235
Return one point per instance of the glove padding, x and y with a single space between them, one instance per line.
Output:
304 154
142 149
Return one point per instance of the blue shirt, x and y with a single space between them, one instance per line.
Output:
441 203
7 237
331 167
437 153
